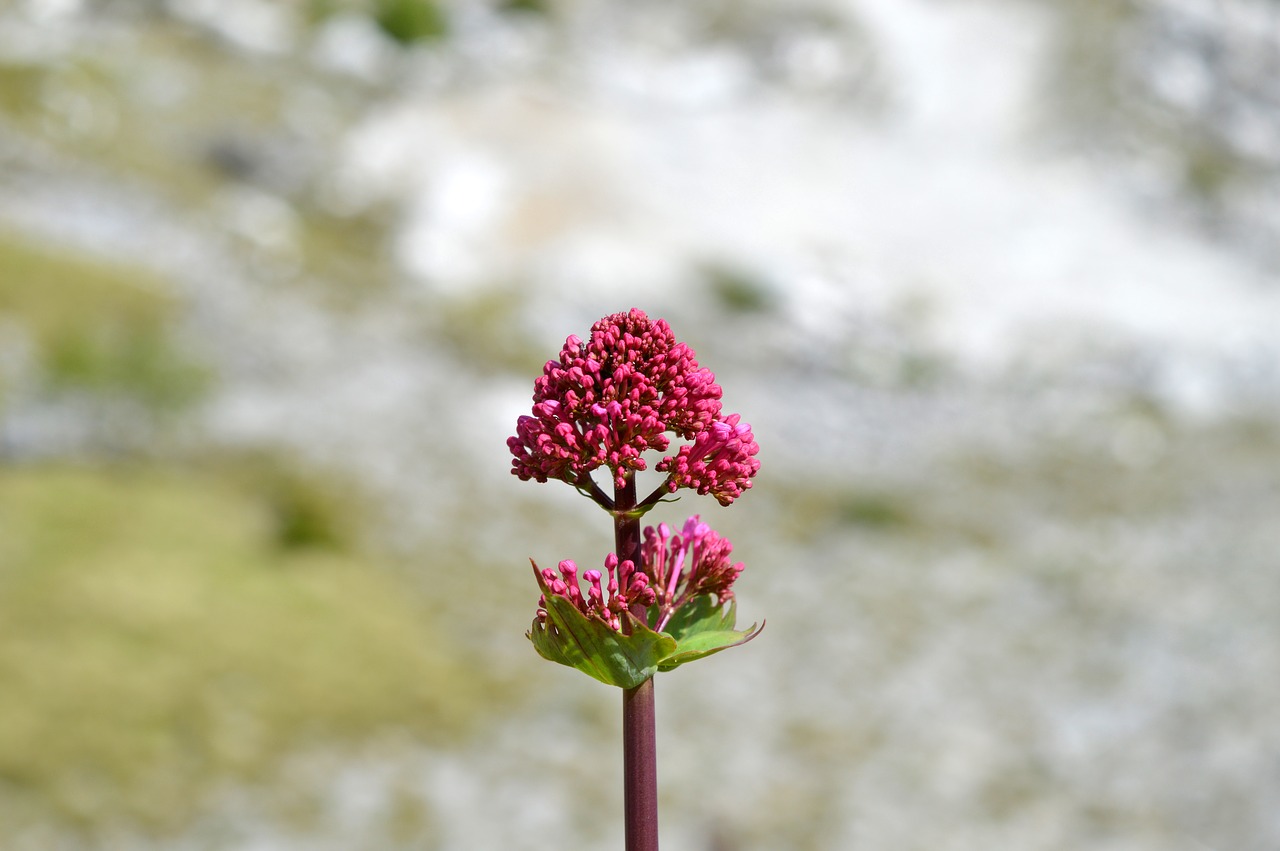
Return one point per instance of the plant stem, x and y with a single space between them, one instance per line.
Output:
640 767
639 730
626 529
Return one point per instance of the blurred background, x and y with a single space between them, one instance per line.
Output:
994 281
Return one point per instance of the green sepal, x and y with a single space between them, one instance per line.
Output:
593 647
702 627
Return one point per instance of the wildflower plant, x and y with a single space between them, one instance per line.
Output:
665 597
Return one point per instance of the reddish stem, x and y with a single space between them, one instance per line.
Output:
640 767
639 728
626 528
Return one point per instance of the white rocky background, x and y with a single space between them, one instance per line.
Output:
1013 369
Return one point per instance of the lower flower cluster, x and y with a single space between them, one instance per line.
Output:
633 622
676 568
625 588
685 566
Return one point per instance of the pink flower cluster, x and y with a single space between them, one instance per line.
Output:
612 397
626 587
675 569
687 565
720 461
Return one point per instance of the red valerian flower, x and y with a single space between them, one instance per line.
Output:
612 397
675 569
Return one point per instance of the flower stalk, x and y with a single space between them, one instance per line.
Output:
639 709
640 767
664 599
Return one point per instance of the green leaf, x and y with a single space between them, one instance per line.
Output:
702 614
590 645
703 644
702 627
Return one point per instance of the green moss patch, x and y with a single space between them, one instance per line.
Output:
155 643
96 326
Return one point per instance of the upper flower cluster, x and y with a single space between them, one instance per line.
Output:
612 397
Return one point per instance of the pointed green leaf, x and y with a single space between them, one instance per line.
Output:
702 644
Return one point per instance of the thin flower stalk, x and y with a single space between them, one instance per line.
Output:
631 388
